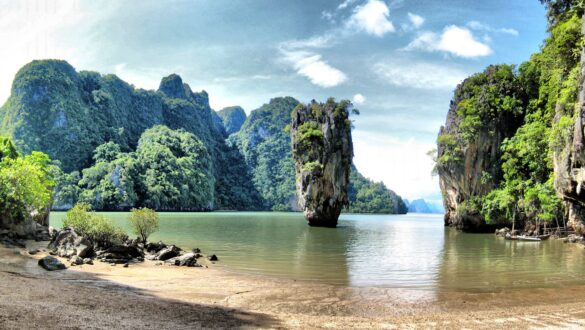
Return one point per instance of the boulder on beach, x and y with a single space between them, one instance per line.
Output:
51 263
188 260
168 253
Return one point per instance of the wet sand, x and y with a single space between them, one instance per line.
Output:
151 296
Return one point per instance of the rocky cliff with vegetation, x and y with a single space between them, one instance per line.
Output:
119 147
323 153
265 142
510 152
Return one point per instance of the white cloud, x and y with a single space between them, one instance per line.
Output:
322 41
475 25
409 174
146 78
419 74
345 4
359 99
313 67
416 20
454 40
372 18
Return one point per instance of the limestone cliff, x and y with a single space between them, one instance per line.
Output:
569 162
468 161
322 152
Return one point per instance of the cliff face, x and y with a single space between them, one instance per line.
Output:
323 152
569 162
469 164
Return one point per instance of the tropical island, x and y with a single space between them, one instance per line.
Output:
146 208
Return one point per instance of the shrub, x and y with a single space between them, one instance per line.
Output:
144 222
96 228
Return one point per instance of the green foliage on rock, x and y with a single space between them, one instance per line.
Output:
144 222
266 147
366 196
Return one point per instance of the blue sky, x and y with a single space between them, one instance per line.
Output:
398 60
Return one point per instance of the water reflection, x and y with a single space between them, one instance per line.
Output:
395 251
485 263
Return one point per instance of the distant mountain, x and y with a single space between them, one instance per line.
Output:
422 206
232 118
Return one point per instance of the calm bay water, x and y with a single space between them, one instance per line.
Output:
412 251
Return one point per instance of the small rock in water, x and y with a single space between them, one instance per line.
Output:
213 257
33 251
196 250
51 263
126 265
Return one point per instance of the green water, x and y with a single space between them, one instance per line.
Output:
403 251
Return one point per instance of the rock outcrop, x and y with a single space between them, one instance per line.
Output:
322 152
67 243
469 165
569 163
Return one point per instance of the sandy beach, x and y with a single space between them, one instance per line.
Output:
151 296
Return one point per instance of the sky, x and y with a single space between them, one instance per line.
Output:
397 60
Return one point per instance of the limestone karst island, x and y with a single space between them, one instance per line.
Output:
332 164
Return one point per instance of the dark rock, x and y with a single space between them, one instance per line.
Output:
322 152
51 263
67 235
76 261
126 265
83 247
168 253
154 247
33 251
213 257
196 250
88 261
189 260
120 254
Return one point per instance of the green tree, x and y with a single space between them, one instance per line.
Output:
25 187
144 222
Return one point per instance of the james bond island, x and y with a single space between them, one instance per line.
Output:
322 151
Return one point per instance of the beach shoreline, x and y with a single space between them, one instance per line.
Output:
147 295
